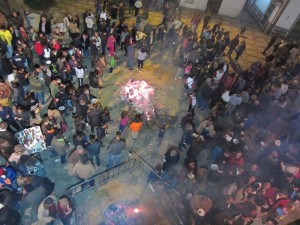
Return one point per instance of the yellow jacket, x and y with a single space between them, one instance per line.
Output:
6 35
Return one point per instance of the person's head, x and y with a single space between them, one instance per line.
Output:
238 155
84 159
37 67
274 154
19 149
43 19
48 202
82 101
79 149
254 167
9 216
124 114
92 138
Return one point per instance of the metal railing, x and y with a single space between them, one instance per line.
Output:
170 198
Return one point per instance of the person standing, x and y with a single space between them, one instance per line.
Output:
271 42
240 49
142 55
93 148
65 210
131 6
37 83
233 44
47 210
111 40
138 21
89 25
135 126
84 169
192 103
79 70
130 57
123 121
115 148
60 145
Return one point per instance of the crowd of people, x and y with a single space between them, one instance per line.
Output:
249 132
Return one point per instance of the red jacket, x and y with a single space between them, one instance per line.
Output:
236 162
56 46
38 48
281 203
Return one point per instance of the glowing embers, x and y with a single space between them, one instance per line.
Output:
140 95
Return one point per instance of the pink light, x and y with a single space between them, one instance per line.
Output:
136 210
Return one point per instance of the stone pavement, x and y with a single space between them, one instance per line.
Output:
159 72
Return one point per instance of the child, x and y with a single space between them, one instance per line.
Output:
123 121
112 64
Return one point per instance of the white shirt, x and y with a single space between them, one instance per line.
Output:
98 41
103 15
189 82
89 22
142 56
219 75
79 72
193 100
47 52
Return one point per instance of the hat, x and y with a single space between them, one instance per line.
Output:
79 147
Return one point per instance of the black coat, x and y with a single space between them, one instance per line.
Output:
47 27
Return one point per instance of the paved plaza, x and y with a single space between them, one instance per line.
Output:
159 72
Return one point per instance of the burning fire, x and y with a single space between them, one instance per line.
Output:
140 94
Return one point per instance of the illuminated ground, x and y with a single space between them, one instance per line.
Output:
160 73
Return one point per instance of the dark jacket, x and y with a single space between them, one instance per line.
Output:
47 27
94 117
117 146
93 148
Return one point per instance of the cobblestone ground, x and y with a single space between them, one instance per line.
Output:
158 68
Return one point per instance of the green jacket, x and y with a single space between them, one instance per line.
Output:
36 84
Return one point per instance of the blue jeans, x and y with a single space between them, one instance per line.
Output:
86 52
121 128
26 89
9 51
112 158
40 97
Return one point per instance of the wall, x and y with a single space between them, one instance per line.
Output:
289 15
197 4
231 8
275 11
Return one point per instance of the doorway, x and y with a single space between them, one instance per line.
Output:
213 6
